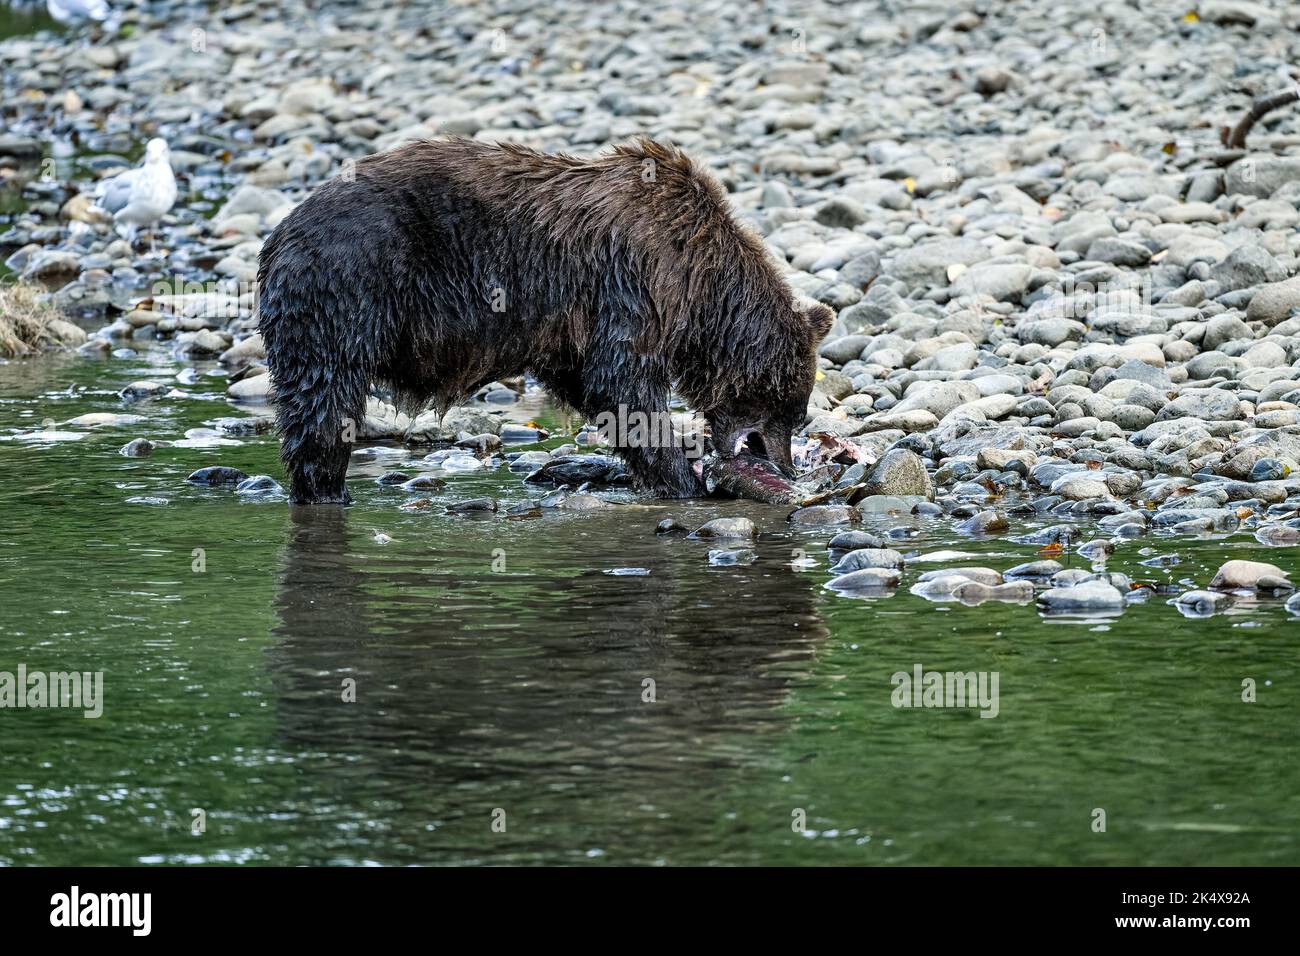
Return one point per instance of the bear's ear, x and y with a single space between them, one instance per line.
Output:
820 319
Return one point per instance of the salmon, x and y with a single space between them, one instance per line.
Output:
749 476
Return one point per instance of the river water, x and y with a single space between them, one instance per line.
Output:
517 703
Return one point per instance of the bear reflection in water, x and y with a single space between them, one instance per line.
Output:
525 684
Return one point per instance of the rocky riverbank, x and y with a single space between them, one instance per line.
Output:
1062 302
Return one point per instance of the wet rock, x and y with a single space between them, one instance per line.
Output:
729 558
868 558
1201 602
985 522
217 475
242 352
259 485
580 501
1069 577
473 506
479 444
975 592
453 460
1053 534
884 504
726 528
853 540
1122 484
1273 583
1097 549
1269 469
983 575
824 516
1244 574
137 448
1085 597
1002 459
866 579
580 469
144 389
1277 534
253 390
952 582
521 434
103 419
528 461
1081 486
1033 569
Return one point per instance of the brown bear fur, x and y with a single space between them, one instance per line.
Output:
444 265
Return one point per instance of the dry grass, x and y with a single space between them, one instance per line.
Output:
27 325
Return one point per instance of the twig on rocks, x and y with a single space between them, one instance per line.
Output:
1263 105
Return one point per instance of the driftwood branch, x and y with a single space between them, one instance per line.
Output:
1258 110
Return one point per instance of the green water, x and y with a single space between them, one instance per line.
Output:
520 689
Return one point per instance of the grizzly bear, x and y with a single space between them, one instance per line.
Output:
441 266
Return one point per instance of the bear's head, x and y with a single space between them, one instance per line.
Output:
770 403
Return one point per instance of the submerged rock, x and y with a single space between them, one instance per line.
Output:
816 516
472 506
217 475
852 540
259 485
1084 597
1201 602
138 448
726 528
866 579
976 592
727 558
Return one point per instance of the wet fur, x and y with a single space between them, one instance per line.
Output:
623 276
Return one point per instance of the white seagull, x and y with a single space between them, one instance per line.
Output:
74 11
141 197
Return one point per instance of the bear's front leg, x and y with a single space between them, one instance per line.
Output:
663 472
640 429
